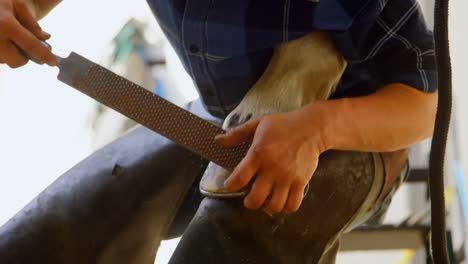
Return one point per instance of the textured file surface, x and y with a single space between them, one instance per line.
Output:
148 109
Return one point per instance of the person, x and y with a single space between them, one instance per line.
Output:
385 102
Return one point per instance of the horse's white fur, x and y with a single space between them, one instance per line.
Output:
300 72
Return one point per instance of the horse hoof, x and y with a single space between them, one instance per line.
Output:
212 183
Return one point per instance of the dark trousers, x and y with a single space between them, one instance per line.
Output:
119 203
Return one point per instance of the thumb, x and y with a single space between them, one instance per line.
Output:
239 134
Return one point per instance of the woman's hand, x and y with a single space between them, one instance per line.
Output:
283 157
19 29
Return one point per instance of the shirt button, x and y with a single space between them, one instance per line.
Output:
194 48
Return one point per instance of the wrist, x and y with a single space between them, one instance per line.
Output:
320 118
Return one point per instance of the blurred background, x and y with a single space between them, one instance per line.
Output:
47 127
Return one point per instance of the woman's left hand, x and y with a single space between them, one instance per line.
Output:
283 157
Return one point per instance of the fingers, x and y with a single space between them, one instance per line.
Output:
10 55
283 196
296 194
274 197
243 173
31 44
239 134
28 21
259 192
278 199
19 28
275 185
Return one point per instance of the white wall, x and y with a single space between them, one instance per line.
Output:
459 53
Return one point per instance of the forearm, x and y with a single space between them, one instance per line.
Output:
41 8
393 118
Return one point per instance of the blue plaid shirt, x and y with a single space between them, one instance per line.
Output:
226 45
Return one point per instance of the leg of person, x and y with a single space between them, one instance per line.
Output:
362 215
391 170
223 231
113 207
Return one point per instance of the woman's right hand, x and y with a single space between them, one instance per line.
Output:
20 30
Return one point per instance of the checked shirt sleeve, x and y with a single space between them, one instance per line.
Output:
405 51
395 45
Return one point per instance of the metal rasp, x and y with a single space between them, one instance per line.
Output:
148 109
